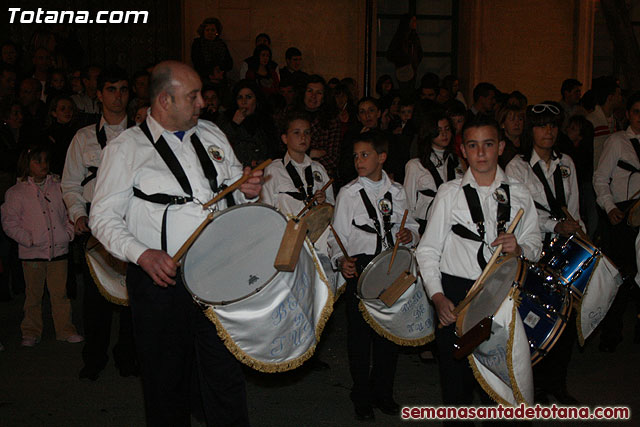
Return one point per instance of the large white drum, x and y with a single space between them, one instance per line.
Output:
409 321
270 320
501 364
108 272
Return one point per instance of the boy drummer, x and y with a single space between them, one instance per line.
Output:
367 219
293 181
467 221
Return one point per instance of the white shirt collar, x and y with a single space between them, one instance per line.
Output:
118 126
386 182
499 179
157 130
555 159
305 162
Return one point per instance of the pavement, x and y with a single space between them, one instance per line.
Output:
39 386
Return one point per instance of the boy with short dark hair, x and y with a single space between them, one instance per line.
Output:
466 222
367 219
293 69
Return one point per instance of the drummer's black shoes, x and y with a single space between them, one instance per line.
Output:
563 397
364 411
387 406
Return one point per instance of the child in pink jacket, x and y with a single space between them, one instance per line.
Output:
35 216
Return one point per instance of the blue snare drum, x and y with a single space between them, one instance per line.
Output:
544 308
572 260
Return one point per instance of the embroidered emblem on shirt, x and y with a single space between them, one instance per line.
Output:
317 176
565 171
500 195
385 206
216 153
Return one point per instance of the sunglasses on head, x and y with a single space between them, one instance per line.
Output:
540 108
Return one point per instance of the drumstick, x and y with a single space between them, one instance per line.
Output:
581 233
395 247
235 185
186 245
342 248
478 285
313 199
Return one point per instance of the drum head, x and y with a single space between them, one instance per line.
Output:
374 279
496 288
634 215
109 273
233 257
318 219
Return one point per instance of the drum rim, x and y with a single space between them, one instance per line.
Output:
369 267
255 291
550 339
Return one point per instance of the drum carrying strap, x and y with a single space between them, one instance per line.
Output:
101 136
452 162
625 165
386 218
475 208
176 169
555 203
300 195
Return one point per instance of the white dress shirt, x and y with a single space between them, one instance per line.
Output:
85 104
351 209
522 171
278 183
84 152
612 183
442 251
418 178
127 225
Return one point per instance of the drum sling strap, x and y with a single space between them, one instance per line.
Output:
174 166
629 167
555 203
371 211
452 162
101 136
300 195
475 208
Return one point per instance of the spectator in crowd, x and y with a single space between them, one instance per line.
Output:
511 122
484 100
7 83
41 60
61 127
34 215
452 83
261 39
87 102
608 97
140 86
209 49
249 126
293 68
33 109
571 92
405 52
260 71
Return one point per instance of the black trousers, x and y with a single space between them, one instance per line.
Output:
177 343
619 245
550 374
372 358
456 377
97 316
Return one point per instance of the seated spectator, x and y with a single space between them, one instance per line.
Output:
347 111
262 73
211 107
249 126
293 68
325 126
518 99
41 60
209 49
571 92
457 113
261 39
384 88
352 85
57 86
9 53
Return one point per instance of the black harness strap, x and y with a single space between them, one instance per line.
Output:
555 202
301 194
428 164
209 169
371 211
452 163
477 216
101 136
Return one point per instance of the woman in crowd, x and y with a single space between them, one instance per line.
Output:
262 72
209 49
249 127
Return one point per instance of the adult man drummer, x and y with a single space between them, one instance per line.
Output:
147 203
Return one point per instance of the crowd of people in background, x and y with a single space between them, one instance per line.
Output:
44 104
